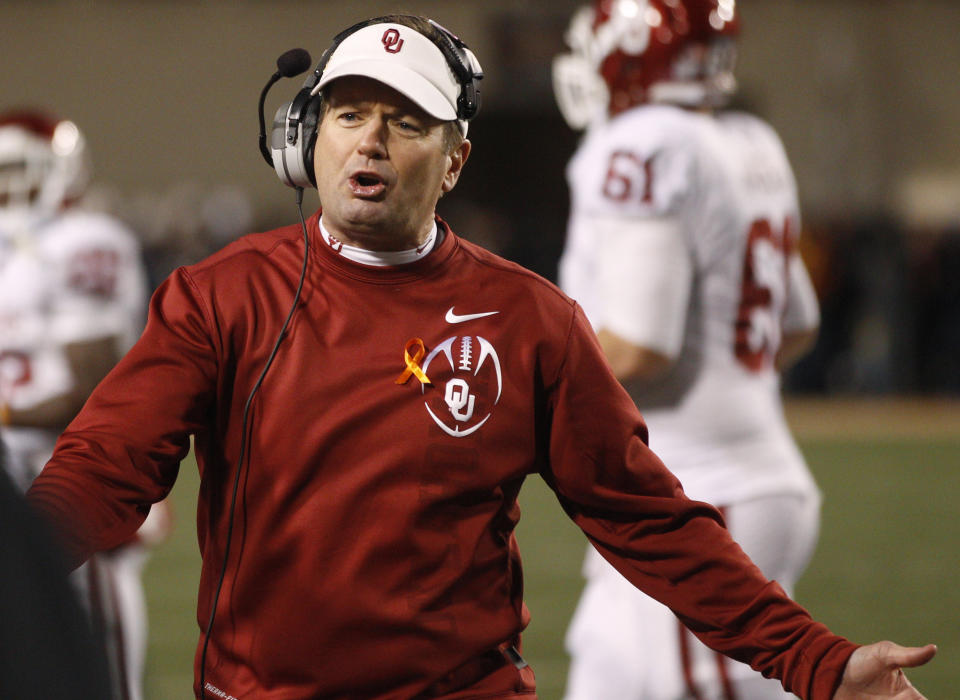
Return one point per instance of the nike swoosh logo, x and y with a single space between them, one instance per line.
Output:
458 318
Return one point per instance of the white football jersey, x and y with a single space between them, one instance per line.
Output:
77 278
725 187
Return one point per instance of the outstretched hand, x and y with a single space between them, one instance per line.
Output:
874 672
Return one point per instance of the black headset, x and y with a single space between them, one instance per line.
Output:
294 132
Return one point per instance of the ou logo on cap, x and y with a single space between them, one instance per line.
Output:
392 43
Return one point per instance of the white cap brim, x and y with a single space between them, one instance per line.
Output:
402 79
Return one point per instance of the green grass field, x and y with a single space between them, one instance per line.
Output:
885 567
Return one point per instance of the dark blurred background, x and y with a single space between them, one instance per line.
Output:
865 94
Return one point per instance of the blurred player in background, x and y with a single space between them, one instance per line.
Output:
682 250
72 300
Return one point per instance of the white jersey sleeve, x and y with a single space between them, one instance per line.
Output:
644 264
629 256
640 165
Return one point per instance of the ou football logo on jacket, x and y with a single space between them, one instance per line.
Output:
470 383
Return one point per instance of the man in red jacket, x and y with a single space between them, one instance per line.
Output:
361 452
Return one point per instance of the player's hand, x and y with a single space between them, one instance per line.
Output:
874 672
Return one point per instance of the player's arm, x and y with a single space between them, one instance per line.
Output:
793 346
801 318
630 361
645 277
89 361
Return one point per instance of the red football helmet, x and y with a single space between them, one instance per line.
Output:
629 52
43 163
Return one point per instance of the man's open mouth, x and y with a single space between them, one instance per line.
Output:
367 185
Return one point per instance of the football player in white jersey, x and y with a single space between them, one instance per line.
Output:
72 301
682 250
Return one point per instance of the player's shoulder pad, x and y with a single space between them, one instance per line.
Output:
653 128
759 129
643 162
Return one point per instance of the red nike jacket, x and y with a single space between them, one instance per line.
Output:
372 553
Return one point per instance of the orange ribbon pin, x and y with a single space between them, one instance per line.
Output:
413 368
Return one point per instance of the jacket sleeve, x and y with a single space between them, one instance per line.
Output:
678 551
123 451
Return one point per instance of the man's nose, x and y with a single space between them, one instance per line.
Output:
373 137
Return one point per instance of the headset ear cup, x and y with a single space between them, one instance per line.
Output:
470 94
278 142
308 142
288 141
468 103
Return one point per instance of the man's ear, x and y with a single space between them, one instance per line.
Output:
458 158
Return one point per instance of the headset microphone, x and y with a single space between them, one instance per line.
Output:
291 63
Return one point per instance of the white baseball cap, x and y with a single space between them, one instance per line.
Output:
404 59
